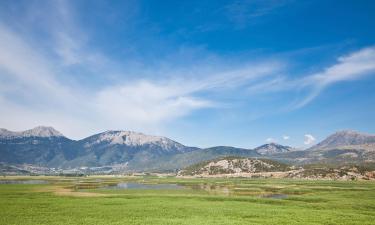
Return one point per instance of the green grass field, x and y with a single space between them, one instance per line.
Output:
220 201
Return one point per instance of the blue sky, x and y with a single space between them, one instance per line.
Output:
204 73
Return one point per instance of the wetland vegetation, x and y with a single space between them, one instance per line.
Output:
156 200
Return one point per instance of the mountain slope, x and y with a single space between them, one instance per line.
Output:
44 151
178 161
39 146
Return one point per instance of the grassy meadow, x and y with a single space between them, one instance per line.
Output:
200 201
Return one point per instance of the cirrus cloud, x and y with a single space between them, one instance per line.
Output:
286 137
40 90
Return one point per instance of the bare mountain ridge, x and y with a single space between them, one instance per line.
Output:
342 147
345 138
44 146
272 148
40 131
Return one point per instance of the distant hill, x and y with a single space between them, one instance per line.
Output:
265 168
232 165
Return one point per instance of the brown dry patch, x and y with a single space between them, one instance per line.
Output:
65 191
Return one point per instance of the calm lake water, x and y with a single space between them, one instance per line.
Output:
23 182
129 185
211 189
275 196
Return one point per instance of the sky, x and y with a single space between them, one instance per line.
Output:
203 73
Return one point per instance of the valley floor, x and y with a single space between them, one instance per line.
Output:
201 201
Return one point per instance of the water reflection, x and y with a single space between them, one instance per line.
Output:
23 182
225 190
230 190
212 189
128 185
275 196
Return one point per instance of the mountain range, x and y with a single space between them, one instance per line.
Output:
132 151
342 147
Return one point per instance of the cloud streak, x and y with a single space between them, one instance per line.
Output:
353 66
244 12
285 137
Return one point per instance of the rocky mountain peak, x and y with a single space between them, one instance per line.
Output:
272 148
40 131
345 137
131 138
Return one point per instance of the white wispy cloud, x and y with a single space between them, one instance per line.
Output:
308 139
270 140
26 70
144 102
286 137
348 67
243 13
38 90
352 66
